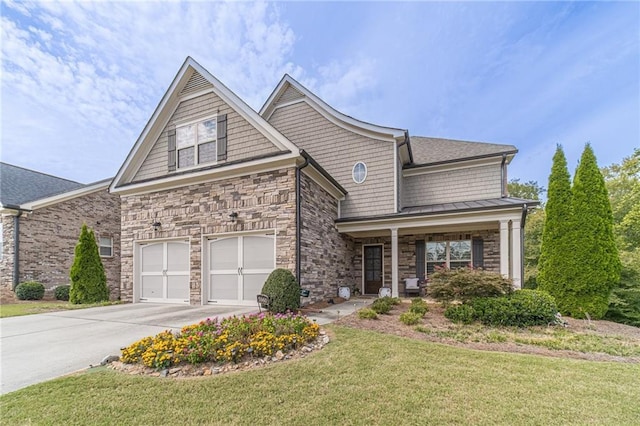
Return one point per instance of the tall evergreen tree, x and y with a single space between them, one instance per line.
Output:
554 275
595 263
88 280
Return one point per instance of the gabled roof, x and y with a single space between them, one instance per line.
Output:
431 151
19 185
327 110
170 102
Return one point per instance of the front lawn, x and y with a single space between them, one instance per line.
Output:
361 377
29 307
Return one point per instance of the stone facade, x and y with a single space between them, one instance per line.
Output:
263 201
326 255
48 237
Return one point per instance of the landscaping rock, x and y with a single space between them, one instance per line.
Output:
109 359
279 355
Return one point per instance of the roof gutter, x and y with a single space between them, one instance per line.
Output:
299 214
525 210
503 176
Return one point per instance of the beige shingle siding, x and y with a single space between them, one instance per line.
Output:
337 150
243 140
475 183
196 83
289 95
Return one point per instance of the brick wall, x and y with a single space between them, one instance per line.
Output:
48 237
263 201
326 255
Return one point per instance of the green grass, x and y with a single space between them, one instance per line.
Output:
361 377
41 306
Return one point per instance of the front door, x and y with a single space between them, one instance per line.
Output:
372 269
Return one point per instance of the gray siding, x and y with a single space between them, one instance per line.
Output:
289 95
243 140
475 183
337 150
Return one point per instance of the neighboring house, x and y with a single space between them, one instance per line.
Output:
214 196
41 220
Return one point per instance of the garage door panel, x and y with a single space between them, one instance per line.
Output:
178 287
224 287
224 254
253 285
258 252
152 287
152 258
178 257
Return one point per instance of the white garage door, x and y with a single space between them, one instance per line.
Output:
164 272
238 268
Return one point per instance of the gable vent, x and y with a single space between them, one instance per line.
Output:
289 95
195 84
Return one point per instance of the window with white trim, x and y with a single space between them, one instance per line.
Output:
448 254
105 246
359 172
196 142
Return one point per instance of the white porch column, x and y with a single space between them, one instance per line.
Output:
516 254
504 248
394 262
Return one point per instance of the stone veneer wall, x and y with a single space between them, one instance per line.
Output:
407 253
263 201
48 237
326 255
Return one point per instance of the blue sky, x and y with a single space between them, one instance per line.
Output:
80 80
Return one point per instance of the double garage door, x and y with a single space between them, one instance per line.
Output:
234 269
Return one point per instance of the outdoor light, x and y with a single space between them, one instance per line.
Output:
156 225
233 216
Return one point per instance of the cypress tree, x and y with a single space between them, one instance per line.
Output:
88 280
554 275
595 263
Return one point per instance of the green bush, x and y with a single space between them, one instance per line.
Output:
494 311
283 291
393 300
367 313
62 292
410 318
521 309
382 305
419 307
30 290
465 284
88 280
460 314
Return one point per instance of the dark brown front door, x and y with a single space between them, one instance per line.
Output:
372 269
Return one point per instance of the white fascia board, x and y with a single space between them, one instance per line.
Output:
338 118
66 196
211 175
324 183
169 104
447 167
444 219
5 211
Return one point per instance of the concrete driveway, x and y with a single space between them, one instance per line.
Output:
35 348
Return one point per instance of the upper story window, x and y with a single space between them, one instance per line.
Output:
196 142
359 172
105 245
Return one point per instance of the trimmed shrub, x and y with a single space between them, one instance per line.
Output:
521 309
382 305
465 284
30 290
283 291
419 306
367 313
494 311
88 280
460 314
62 292
410 318
393 300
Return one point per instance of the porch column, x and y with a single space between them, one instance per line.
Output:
516 255
504 248
394 262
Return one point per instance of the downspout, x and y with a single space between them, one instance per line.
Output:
16 250
503 186
525 210
299 215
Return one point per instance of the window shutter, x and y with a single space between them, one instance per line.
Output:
222 137
171 142
478 252
420 259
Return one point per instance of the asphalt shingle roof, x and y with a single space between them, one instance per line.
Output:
19 185
435 150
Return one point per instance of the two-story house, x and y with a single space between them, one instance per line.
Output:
215 195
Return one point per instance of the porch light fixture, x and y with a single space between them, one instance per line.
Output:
233 216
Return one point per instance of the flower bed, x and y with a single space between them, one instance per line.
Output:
231 339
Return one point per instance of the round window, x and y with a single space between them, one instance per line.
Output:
359 172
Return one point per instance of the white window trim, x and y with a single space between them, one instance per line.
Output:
448 254
196 143
353 172
110 246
